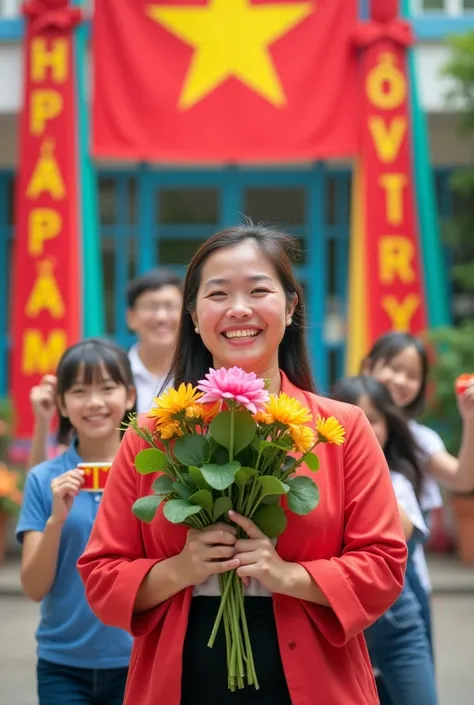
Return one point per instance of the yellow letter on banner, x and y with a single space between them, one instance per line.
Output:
401 312
386 85
46 176
393 185
395 257
55 58
387 138
44 106
45 295
43 224
40 356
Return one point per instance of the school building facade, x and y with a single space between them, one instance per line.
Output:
157 214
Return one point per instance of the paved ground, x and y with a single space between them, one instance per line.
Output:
454 618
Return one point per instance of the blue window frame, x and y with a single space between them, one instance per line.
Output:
312 203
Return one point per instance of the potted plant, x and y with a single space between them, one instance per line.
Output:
454 355
10 478
454 346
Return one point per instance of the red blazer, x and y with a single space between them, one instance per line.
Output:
352 544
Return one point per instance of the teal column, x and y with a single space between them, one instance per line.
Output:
432 248
92 276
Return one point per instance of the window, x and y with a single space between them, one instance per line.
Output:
181 206
450 7
9 9
433 5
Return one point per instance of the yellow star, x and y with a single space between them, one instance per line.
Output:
231 38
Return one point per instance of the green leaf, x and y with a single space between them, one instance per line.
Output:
198 478
182 490
203 498
272 485
178 510
221 506
311 460
270 499
244 429
303 496
220 477
188 481
145 507
162 485
271 519
150 460
220 455
243 475
192 449
289 463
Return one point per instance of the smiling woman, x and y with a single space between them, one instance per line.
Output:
244 307
333 571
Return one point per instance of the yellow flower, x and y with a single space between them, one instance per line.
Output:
174 403
286 410
262 417
303 438
170 430
330 430
195 412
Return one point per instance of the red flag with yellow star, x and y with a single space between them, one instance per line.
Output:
225 80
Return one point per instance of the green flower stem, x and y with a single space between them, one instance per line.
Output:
232 433
251 672
225 585
237 642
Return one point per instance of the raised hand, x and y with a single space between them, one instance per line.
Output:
43 399
466 402
65 489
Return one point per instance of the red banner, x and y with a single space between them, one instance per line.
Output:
395 297
225 80
46 289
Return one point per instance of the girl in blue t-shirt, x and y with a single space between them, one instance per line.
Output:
80 660
398 644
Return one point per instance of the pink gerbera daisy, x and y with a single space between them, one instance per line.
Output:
245 388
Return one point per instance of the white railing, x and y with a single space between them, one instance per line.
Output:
9 9
453 8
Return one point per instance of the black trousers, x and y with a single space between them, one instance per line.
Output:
204 680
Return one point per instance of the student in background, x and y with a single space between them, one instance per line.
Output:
153 309
400 361
398 643
79 659
154 303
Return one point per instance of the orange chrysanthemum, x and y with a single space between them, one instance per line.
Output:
330 430
303 438
170 430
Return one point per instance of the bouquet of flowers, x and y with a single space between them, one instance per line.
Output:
228 444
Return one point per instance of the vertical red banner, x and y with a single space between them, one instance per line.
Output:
395 294
46 285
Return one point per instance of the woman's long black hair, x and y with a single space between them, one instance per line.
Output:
389 346
192 359
86 359
401 452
